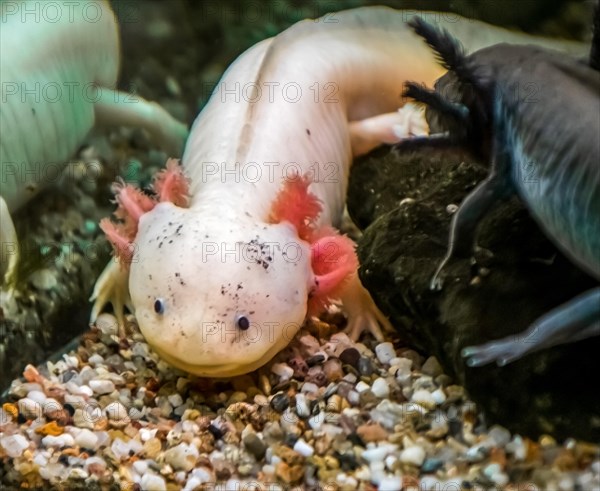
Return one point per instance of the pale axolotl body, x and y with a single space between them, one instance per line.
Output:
550 163
58 70
223 283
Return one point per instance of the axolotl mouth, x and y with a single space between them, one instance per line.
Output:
218 298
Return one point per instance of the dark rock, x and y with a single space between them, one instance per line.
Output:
350 356
365 366
255 445
400 202
431 465
315 360
280 402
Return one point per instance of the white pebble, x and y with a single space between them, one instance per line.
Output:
54 472
37 396
97 462
390 462
363 473
77 473
424 398
361 387
165 407
379 453
175 400
353 398
350 378
380 388
303 448
117 412
204 474
500 435
316 421
182 456
51 405
309 388
108 324
403 372
283 371
438 396
60 441
302 408
385 352
30 409
191 484
389 483
40 459
95 360
500 479
71 361
413 455
43 279
140 466
78 390
101 386
475 454
152 482
517 448
86 439
146 433
120 449
14 445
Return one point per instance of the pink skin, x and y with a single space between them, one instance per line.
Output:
333 261
170 184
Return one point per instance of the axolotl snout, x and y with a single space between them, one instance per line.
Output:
225 269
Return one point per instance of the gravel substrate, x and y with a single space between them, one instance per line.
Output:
326 413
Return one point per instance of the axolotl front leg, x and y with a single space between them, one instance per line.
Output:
572 321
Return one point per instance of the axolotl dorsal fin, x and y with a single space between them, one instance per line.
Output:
333 258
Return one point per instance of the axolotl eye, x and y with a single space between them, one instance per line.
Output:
242 322
159 306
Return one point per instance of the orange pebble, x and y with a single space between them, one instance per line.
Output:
11 409
51 428
498 456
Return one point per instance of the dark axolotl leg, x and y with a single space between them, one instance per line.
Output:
494 189
573 321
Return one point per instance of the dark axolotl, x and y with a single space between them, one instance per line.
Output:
546 151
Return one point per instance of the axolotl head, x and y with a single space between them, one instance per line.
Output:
219 296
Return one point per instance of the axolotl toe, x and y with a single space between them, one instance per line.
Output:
222 280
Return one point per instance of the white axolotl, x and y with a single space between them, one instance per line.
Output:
223 273
59 63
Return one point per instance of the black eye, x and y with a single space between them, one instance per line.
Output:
159 306
242 322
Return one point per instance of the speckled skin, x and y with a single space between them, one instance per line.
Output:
191 260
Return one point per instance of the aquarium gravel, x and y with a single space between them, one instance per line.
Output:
326 413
